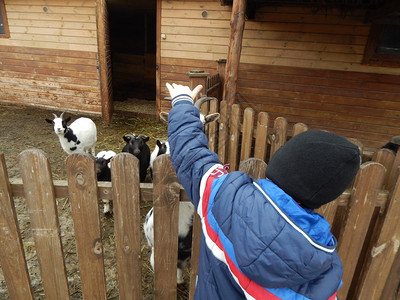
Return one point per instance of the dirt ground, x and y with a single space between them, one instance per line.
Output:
23 128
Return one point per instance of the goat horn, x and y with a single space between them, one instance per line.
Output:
55 116
62 114
199 102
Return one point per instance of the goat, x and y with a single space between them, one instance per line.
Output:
80 136
205 119
103 172
161 147
137 146
394 144
185 229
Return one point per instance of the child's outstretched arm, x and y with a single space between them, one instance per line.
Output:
190 155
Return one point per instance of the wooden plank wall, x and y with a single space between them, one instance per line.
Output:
50 59
358 105
303 64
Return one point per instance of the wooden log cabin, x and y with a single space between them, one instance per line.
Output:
332 65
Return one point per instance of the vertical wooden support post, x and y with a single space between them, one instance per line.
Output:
234 50
127 227
82 185
166 209
12 258
103 37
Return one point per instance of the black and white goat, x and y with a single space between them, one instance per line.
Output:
103 172
161 147
394 144
205 119
80 136
185 229
136 145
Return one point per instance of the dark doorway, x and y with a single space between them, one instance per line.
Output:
132 28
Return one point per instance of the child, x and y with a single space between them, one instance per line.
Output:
261 239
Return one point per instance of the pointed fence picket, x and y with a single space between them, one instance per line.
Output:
364 219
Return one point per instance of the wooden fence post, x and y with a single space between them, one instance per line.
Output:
234 132
247 133
366 189
255 167
127 226
223 136
12 258
166 210
386 158
384 251
42 209
279 135
82 184
260 147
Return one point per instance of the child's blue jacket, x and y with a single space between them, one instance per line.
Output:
257 242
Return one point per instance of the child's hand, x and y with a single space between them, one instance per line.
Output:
178 89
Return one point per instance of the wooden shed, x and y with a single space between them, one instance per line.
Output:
333 65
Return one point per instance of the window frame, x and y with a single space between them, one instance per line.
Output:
5 22
371 57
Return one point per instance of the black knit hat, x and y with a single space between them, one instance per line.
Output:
314 167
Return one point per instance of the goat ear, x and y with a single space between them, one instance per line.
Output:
65 121
49 121
127 138
164 116
145 138
211 118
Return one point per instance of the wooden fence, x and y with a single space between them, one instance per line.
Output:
365 220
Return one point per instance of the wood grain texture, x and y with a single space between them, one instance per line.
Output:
42 209
82 184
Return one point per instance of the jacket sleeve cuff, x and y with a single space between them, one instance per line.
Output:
181 97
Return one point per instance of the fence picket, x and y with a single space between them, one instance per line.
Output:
279 135
222 132
234 131
247 133
194 263
12 258
82 183
212 127
127 227
394 172
260 147
386 158
255 167
368 182
41 203
299 128
166 209
384 251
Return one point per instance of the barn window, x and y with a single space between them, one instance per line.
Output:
383 46
4 32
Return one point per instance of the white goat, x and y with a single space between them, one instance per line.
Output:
80 136
185 229
205 119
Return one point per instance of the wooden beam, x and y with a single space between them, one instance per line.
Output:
234 50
